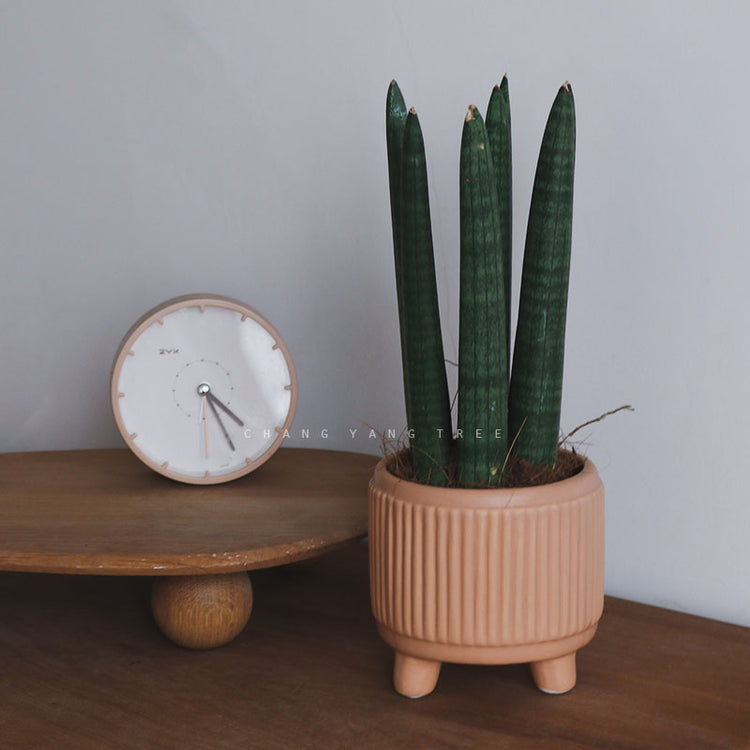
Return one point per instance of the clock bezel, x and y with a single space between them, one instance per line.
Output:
166 308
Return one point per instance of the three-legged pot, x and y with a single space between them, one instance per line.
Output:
486 576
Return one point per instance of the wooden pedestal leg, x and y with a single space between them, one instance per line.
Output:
414 677
555 676
202 612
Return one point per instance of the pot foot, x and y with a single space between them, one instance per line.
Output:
555 676
413 677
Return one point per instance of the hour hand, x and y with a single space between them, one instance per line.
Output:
213 400
218 419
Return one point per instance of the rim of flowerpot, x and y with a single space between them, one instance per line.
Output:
587 480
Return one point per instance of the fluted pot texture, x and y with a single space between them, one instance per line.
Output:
486 576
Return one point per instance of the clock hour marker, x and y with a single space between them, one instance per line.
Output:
120 394
207 474
160 322
275 346
243 318
288 387
131 353
165 464
133 435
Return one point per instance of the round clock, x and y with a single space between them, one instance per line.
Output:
203 389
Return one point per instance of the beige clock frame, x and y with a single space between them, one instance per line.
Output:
154 315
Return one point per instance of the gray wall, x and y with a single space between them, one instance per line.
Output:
149 149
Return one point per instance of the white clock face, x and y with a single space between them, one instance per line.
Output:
203 389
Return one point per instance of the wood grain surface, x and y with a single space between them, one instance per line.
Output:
84 667
202 612
105 512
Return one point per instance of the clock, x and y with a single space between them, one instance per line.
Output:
203 389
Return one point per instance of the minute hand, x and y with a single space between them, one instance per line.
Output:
225 409
221 424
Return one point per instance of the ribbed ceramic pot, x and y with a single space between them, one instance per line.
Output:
486 576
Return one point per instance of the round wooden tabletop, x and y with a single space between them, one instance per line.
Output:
104 512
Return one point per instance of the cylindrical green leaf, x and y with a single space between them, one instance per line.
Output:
498 131
428 403
536 382
483 363
395 122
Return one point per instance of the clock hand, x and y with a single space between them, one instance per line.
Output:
225 409
205 425
218 419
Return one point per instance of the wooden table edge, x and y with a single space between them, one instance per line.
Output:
238 561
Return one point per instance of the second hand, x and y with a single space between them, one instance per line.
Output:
205 424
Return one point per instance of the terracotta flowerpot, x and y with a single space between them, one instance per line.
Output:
486 576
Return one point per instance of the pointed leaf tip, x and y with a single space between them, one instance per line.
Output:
471 113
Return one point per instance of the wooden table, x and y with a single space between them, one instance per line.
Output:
84 668
103 512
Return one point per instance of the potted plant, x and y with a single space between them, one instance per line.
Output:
487 543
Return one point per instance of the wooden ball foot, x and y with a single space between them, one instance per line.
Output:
555 676
415 677
202 612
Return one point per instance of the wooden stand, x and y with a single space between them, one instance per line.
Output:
103 512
